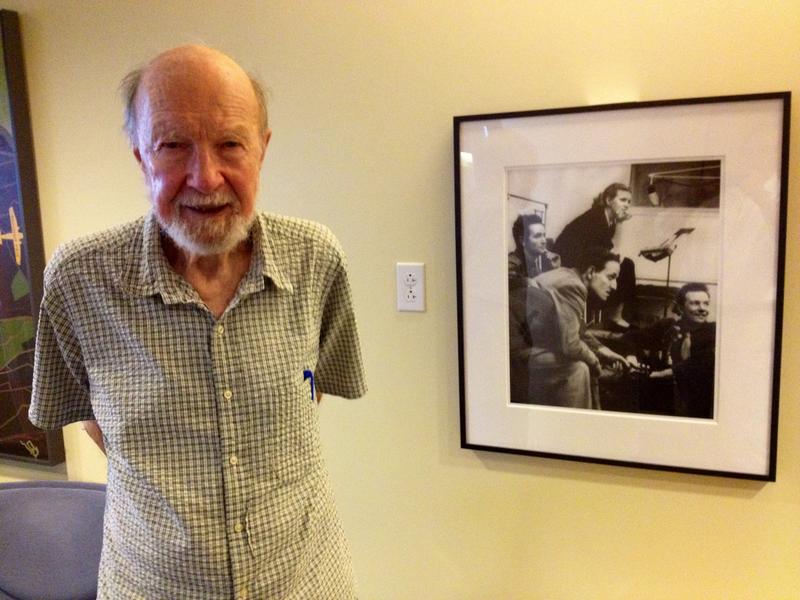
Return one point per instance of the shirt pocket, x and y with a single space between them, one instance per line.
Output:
285 436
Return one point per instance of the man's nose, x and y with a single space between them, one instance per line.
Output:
204 173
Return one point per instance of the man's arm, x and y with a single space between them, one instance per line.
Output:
60 387
339 370
608 357
570 306
93 429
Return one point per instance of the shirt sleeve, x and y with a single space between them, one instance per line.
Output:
60 393
340 369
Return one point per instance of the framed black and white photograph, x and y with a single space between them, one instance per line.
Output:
620 282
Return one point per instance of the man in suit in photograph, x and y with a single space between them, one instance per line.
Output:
555 360
530 256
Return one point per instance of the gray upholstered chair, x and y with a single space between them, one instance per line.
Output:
51 534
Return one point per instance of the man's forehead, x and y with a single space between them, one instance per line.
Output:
184 76
166 123
172 107
611 268
181 91
697 295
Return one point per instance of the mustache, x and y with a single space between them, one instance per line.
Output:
193 199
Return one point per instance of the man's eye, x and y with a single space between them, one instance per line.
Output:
170 145
231 144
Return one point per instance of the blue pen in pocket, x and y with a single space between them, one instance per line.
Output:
309 374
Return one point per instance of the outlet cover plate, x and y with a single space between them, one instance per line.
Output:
410 286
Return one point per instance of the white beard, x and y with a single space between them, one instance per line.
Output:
216 236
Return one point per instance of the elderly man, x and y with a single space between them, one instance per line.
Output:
190 341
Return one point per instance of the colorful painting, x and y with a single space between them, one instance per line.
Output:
21 261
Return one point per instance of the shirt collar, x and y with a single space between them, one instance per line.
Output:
266 255
609 219
151 273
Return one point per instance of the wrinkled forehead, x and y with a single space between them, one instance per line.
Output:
182 90
167 115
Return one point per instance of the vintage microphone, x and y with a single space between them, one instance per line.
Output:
665 250
652 194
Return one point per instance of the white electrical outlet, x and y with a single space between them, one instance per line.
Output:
411 287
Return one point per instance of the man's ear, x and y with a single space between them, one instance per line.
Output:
265 142
137 153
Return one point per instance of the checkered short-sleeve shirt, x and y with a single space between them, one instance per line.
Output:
216 484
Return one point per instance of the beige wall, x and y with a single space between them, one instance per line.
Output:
362 99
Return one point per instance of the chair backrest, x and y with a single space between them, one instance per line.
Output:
51 534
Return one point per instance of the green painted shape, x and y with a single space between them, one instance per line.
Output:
5 109
14 334
20 286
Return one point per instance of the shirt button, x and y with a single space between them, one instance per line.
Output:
238 527
233 460
243 594
227 394
220 329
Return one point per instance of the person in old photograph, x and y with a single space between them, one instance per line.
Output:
682 350
530 256
555 360
596 227
189 342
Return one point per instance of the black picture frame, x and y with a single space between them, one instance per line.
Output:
557 159
21 262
